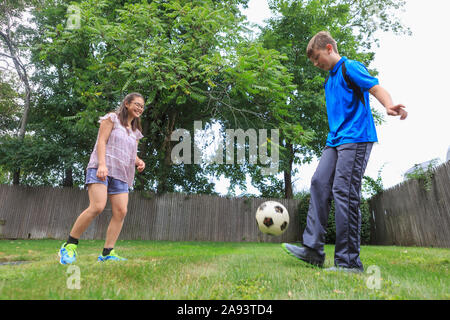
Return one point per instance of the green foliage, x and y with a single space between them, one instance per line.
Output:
39 160
192 61
5 176
9 107
371 187
188 58
424 176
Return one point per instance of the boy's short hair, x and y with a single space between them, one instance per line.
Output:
320 41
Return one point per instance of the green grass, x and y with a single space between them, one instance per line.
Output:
207 270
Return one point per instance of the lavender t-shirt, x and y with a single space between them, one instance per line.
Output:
121 151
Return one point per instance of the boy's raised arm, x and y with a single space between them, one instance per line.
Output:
385 99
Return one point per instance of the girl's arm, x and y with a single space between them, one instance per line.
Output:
140 164
106 127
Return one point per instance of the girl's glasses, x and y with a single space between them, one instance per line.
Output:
137 104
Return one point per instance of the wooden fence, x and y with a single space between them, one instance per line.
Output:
409 215
44 212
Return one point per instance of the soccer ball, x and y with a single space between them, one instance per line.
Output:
272 218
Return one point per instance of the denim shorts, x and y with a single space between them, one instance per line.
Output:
113 186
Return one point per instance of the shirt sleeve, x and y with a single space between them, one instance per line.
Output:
138 135
359 74
112 116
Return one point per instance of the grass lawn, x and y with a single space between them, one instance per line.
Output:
208 270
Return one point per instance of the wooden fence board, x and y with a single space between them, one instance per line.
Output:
409 215
44 212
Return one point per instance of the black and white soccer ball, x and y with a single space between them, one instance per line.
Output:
272 218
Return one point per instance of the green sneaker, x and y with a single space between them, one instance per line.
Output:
111 256
67 253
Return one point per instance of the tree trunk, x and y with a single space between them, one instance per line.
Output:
163 186
143 150
23 76
68 177
23 124
16 177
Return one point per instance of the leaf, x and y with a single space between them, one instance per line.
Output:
151 96
125 86
181 99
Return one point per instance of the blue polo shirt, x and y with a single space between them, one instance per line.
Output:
349 120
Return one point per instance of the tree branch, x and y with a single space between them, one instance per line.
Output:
5 55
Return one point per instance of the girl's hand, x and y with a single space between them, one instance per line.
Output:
102 172
140 165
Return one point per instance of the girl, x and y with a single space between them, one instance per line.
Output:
110 172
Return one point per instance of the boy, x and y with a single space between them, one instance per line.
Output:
344 159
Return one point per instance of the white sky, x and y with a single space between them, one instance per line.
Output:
414 69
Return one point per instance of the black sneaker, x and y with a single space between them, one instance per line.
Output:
305 254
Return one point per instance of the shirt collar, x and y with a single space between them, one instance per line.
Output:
337 65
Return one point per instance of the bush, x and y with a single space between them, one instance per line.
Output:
424 176
330 236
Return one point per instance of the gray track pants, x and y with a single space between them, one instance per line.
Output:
339 174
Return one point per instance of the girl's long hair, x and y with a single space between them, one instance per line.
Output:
123 111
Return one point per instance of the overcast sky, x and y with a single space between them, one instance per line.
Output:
412 71
415 70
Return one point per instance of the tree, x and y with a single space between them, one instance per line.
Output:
11 15
9 107
9 112
191 62
353 24
61 94
53 150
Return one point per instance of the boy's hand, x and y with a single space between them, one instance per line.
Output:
385 99
140 165
397 110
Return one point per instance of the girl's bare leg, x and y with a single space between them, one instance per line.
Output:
119 204
97 202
